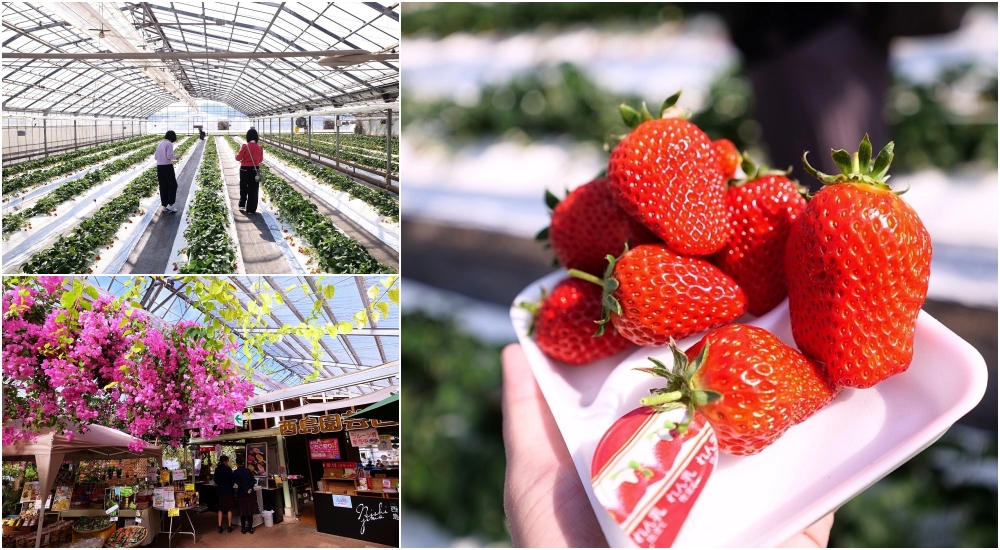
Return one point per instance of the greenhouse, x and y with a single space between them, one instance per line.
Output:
92 92
126 400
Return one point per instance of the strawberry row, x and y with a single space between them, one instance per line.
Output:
12 183
71 189
331 151
335 251
209 248
375 144
76 252
382 201
21 167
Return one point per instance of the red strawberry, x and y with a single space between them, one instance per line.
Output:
749 385
728 157
666 450
665 174
762 209
564 324
588 225
858 264
653 295
630 493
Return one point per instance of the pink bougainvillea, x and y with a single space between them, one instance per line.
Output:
91 362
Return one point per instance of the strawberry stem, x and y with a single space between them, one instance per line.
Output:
660 398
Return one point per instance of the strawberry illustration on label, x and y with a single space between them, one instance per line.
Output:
649 469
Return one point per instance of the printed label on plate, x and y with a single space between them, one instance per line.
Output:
648 476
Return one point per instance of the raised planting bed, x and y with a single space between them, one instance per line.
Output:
334 251
382 201
13 184
14 172
48 203
209 248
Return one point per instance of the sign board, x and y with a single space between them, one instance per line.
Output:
386 483
322 449
364 438
189 486
257 458
173 512
342 501
152 473
371 519
197 467
164 476
179 475
384 442
238 418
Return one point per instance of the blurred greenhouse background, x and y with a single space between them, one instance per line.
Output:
503 101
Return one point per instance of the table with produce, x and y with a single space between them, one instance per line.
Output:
722 344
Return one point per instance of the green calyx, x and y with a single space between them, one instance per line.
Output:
856 168
552 202
755 171
609 285
681 391
634 118
533 308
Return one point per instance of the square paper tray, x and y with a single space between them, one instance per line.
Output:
811 470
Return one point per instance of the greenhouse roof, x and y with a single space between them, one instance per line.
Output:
359 359
201 46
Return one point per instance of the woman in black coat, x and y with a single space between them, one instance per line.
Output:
246 496
224 480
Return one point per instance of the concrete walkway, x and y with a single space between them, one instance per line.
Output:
152 253
261 253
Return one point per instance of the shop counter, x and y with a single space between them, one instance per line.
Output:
368 518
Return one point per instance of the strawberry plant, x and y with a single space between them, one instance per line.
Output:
76 252
336 252
210 249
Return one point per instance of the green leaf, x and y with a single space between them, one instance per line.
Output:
373 292
394 295
551 200
328 292
345 327
843 160
384 308
92 292
669 102
630 116
865 155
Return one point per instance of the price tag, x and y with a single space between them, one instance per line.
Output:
173 512
189 486
113 511
138 520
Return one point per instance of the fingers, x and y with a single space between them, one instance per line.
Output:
816 535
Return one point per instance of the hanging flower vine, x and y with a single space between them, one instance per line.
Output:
72 357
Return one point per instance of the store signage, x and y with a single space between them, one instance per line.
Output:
340 464
189 486
320 449
179 475
238 418
384 442
342 501
173 512
329 423
364 438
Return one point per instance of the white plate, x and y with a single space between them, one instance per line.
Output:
812 469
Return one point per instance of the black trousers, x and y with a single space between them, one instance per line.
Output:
168 183
249 188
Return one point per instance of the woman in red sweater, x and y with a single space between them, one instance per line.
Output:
250 157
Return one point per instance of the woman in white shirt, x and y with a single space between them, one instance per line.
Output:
165 170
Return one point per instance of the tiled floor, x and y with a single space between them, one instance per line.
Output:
287 534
